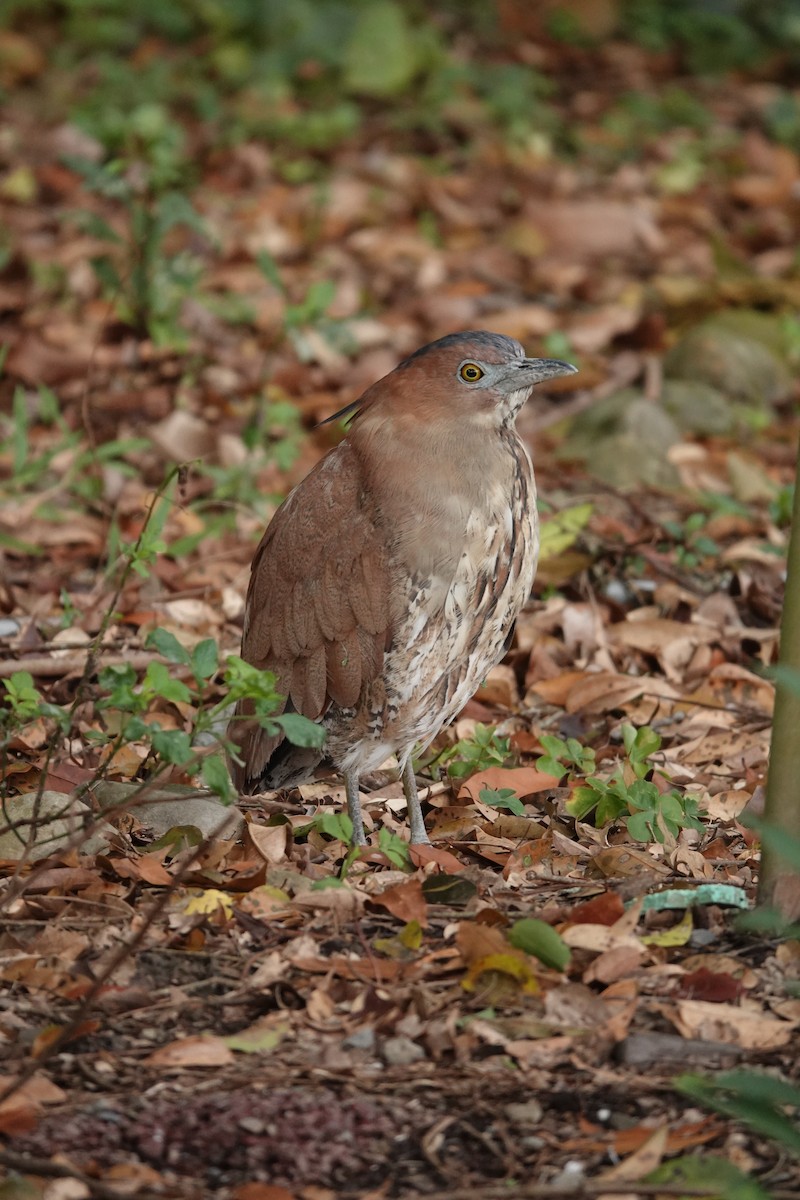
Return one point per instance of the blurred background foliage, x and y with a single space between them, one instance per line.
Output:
310 72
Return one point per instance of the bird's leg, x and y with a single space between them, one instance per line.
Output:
354 807
418 832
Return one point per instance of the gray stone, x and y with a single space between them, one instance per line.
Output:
361 1039
401 1052
53 822
624 440
765 327
525 1112
740 367
163 808
697 408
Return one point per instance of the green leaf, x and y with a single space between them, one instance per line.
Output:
708 1171
179 837
335 825
642 827
168 646
540 939
159 682
205 659
554 745
215 776
175 209
117 681
610 806
640 743
504 798
395 849
106 273
300 731
23 698
561 531
752 1097
381 58
551 766
270 270
173 745
454 890
583 801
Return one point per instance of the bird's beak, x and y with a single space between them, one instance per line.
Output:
538 369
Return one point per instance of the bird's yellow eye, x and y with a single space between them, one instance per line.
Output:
470 372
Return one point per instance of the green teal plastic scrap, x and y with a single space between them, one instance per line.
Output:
704 893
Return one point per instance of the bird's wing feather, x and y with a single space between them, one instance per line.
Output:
318 601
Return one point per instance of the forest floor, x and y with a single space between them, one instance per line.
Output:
254 1012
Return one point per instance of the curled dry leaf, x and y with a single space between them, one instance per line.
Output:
202 1051
524 781
404 901
725 1023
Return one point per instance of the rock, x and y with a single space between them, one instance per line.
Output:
361 1039
767 328
58 819
740 367
697 407
624 439
401 1052
181 436
749 480
163 808
642 1049
527 1112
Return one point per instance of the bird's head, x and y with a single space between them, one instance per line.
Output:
464 375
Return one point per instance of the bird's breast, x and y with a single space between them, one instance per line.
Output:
473 558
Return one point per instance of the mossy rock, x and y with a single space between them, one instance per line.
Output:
624 439
603 419
740 367
766 328
625 462
697 408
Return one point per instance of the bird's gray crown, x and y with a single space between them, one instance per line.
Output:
479 342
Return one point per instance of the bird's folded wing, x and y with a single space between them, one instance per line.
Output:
318 603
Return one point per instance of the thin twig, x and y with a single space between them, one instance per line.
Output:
48 666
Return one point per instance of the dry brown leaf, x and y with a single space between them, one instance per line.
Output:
641 1162
202 1051
619 962
404 901
39 1089
626 862
605 691
556 690
601 938
152 870
270 841
726 1023
475 941
499 687
422 856
525 781
261 1191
